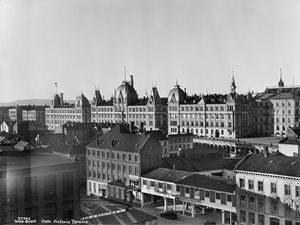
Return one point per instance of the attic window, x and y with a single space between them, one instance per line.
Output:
293 163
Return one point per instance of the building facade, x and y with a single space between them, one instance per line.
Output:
117 159
149 113
225 116
38 186
268 189
60 112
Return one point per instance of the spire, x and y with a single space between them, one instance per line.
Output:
56 85
280 83
233 86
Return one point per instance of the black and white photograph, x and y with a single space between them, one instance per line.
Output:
150 112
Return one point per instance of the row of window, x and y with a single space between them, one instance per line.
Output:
260 219
273 187
103 154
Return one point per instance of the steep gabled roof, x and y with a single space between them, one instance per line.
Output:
119 138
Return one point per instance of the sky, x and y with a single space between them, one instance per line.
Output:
81 44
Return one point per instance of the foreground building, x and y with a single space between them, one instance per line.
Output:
38 185
117 159
149 113
268 189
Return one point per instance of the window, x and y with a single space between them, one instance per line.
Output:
273 188
187 190
206 194
228 198
261 204
135 158
260 185
68 185
287 189
50 187
251 202
242 200
242 216
251 218
261 219
298 211
274 206
288 210
242 183
50 211
297 190
68 212
129 157
250 184
218 196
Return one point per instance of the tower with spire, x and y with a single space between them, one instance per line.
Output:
233 85
280 83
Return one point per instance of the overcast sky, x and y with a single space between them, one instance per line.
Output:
85 43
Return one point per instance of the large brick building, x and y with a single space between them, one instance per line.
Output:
60 112
149 112
227 116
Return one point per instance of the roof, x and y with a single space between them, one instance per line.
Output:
157 134
71 150
287 95
295 130
167 175
2 138
200 160
264 96
276 163
13 160
119 138
21 145
209 182
290 141
179 163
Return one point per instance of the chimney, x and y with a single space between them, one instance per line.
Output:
131 127
61 98
131 81
265 151
174 167
142 127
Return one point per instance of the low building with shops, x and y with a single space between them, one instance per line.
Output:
160 184
207 191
